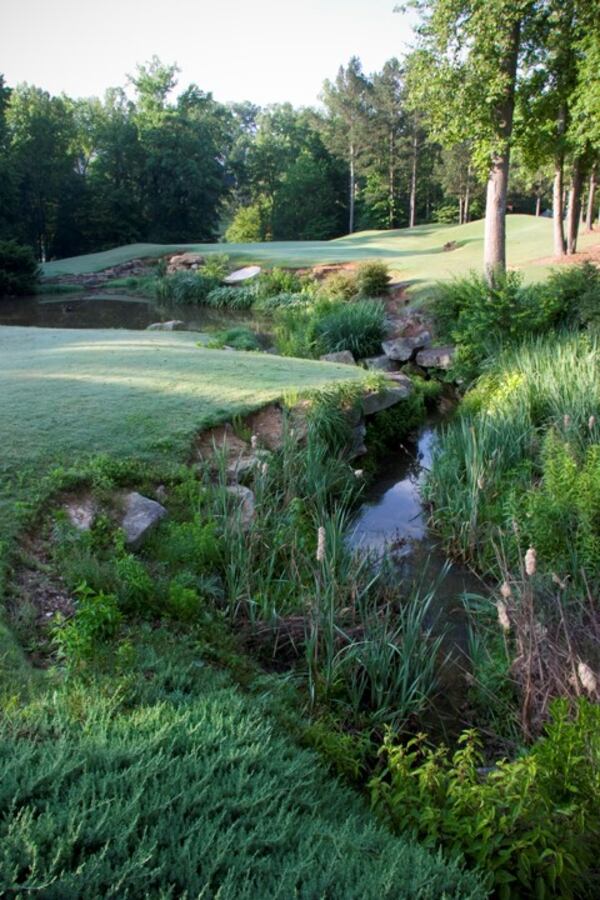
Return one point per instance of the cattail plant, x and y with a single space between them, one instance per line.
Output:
320 544
531 562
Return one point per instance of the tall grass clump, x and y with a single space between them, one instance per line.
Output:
235 298
372 278
185 287
523 458
329 326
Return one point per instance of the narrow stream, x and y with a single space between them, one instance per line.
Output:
393 517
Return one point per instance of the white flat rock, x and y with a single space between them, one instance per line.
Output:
242 275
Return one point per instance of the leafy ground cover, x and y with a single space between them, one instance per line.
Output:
159 778
417 254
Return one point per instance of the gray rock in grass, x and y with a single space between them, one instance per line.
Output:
436 357
140 516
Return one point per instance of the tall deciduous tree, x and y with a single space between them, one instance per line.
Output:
469 79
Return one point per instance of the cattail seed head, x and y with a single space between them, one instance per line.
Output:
481 482
505 590
587 678
559 581
503 618
320 544
566 420
264 469
531 561
254 441
358 473
591 422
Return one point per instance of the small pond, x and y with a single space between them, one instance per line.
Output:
103 309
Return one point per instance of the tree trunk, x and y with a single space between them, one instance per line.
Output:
494 243
589 219
467 195
413 180
392 181
557 209
574 209
352 191
538 206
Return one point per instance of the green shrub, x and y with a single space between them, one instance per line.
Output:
231 298
482 319
185 287
193 545
183 600
533 825
240 338
96 620
339 286
216 265
277 281
358 327
575 293
372 279
19 271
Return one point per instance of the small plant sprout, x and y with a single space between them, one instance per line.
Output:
531 562
320 544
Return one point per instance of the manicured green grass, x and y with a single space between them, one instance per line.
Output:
416 254
69 395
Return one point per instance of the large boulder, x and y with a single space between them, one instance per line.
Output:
140 516
241 275
377 401
403 349
171 325
344 357
184 262
436 357
380 363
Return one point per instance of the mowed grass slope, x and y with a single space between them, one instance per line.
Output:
416 255
69 395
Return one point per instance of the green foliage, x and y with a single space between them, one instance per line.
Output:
575 292
372 279
192 545
524 451
247 225
277 301
339 286
358 327
230 298
185 287
19 270
531 824
240 338
183 600
277 281
482 319
95 621
118 786
216 265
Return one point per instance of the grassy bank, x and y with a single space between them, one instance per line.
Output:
416 254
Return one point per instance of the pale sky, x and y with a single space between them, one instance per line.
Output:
266 51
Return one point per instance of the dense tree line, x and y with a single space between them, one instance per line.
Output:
497 105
